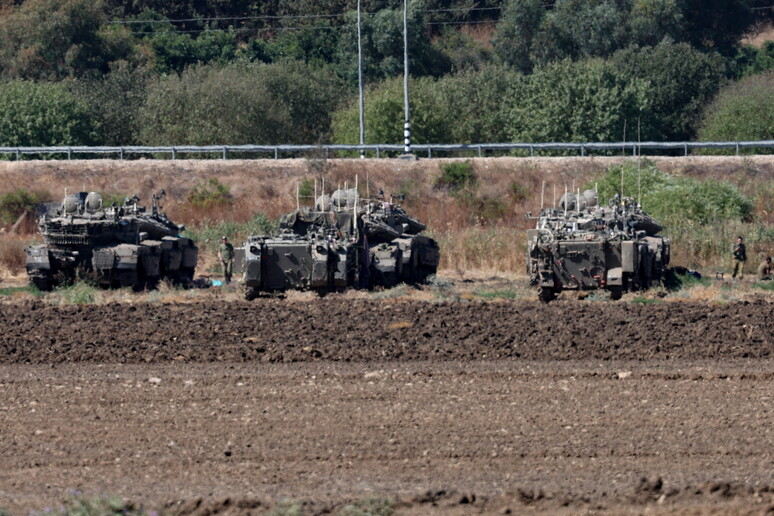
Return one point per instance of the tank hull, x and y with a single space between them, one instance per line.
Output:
615 249
344 245
114 248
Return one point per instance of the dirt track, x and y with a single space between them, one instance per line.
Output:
456 408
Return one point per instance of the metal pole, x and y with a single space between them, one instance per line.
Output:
360 81
407 123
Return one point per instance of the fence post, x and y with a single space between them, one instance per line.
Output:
174 153
583 150
121 153
276 153
429 152
69 154
378 155
18 155
224 153
479 151
686 149
737 148
531 150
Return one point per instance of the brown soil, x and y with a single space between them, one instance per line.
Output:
453 408
345 330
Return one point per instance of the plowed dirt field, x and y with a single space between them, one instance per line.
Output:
446 408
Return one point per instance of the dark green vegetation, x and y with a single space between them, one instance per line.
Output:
285 71
14 204
700 216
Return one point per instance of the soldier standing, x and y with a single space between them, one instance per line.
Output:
740 256
765 270
226 256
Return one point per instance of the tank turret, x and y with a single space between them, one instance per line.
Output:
114 246
584 246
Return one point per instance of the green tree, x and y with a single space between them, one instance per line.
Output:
742 111
752 60
114 102
480 114
655 21
581 101
382 39
55 39
519 22
682 80
42 114
384 115
241 104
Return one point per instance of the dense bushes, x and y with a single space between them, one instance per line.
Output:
42 114
742 111
384 115
276 71
240 104
677 201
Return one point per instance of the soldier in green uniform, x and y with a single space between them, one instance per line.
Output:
765 270
740 256
226 256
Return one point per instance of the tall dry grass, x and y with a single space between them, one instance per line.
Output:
12 254
483 229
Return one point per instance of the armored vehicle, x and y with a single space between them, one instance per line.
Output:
115 246
342 241
584 246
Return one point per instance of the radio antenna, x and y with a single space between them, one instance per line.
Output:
639 161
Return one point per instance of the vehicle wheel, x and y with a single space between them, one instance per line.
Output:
616 293
546 294
251 293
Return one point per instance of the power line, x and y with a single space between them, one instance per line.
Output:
282 17
239 18
298 28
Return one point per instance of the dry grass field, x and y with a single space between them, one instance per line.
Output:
481 230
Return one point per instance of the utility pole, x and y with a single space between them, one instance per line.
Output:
407 123
360 81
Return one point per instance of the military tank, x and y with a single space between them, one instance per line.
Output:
342 241
583 246
115 246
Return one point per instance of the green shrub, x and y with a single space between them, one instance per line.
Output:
11 291
384 115
42 114
79 293
456 176
241 104
585 101
306 187
517 192
742 111
108 198
675 201
207 234
209 194
13 204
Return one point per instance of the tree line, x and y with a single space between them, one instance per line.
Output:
80 72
